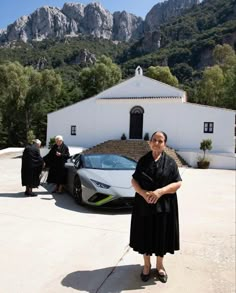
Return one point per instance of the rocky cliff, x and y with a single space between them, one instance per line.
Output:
162 12
76 19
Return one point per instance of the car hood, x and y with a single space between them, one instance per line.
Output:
114 178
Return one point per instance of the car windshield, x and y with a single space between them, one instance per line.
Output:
108 162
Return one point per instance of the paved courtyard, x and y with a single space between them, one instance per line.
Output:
49 244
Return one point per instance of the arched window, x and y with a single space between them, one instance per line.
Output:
136 123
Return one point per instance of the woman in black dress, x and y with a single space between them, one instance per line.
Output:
32 164
55 160
154 222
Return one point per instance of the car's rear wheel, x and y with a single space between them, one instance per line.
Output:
77 191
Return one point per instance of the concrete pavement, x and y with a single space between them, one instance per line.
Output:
48 244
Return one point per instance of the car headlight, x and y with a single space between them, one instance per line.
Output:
100 184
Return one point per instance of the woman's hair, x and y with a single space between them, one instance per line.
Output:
37 141
59 137
165 135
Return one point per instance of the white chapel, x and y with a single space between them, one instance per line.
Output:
141 105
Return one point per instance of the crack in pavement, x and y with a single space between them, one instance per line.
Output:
113 269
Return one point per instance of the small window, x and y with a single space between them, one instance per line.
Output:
73 130
208 127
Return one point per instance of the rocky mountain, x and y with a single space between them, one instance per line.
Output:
76 19
163 12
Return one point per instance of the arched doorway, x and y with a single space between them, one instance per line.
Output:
136 123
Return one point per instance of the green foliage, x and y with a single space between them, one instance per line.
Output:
30 136
162 74
183 72
211 86
224 56
51 143
188 39
218 83
206 144
40 77
3 134
23 90
99 77
179 55
56 53
229 94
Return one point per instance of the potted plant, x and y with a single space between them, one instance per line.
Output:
146 136
204 162
123 137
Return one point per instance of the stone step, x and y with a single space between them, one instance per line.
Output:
131 148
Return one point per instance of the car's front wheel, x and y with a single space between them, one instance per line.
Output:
77 191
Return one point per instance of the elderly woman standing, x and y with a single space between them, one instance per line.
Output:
154 222
32 164
55 160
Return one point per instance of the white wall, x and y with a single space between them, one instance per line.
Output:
100 120
191 123
83 115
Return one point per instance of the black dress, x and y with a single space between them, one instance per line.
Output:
155 227
31 167
56 164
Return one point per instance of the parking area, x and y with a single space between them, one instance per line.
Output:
49 244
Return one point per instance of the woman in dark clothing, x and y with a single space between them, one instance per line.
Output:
154 222
32 164
55 160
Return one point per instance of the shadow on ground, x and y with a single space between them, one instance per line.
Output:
13 195
66 201
22 194
111 279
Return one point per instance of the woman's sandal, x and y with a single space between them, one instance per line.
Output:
162 276
145 277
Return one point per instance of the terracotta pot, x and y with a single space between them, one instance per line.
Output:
203 164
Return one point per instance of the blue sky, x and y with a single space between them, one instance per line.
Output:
11 10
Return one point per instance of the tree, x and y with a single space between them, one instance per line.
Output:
203 162
99 77
211 86
224 56
218 84
229 96
206 144
23 90
163 74
183 72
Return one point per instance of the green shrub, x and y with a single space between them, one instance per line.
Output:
52 141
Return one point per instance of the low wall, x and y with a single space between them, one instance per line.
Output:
11 150
43 151
217 160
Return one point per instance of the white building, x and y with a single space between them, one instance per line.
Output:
143 105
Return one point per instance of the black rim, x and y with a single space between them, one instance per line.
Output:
77 190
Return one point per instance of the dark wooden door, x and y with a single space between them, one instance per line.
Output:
136 126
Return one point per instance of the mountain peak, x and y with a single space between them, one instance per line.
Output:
92 19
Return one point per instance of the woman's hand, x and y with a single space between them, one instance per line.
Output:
153 196
144 194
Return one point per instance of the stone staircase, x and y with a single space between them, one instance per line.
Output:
131 148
